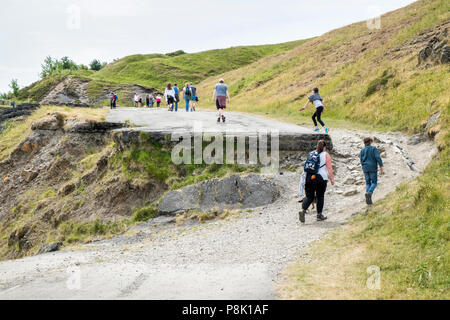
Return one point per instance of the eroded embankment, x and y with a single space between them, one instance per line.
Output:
74 180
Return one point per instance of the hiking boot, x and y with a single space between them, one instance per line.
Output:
218 120
223 118
369 199
321 217
301 216
316 130
326 130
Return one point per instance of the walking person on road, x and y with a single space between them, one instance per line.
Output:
158 100
220 94
317 100
169 95
136 100
177 96
318 170
187 96
113 100
193 97
370 160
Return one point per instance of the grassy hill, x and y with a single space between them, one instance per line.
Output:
156 70
366 76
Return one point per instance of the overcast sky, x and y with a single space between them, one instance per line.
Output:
30 30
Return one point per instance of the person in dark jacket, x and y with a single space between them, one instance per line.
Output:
370 160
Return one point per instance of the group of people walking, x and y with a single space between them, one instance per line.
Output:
318 170
189 94
172 96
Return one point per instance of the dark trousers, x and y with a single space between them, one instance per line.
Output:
318 115
315 188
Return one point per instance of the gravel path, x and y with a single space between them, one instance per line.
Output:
240 257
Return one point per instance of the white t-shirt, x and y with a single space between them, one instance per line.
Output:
136 98
169 93
323 171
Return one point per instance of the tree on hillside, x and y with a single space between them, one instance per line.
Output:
48 67
67 64
14 85
96 65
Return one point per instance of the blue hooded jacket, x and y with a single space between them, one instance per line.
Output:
370 157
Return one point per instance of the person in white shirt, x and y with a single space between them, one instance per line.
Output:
169 95
136 100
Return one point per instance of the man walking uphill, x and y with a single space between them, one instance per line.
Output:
370 160
221 94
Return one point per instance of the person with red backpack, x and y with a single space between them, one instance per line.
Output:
318 170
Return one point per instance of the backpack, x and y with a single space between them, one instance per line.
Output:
312 163
116 97
187 91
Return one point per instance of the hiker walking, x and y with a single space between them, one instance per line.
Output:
317 100
193 97
169 95
140 101
158 101
152 100
113 100
177 96
318 170
370 160
221 94
136 100
187 96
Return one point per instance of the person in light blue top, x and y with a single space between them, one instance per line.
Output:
221 94
317 100
370 160
177 96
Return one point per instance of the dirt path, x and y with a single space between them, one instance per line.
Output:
237 258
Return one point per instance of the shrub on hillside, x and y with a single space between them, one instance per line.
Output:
176 53
378 83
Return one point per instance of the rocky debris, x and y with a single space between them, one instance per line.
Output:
29 175
350 181
51 122
95 127
350 192
51 247
416 139
432 128
234 192
72 91
436 50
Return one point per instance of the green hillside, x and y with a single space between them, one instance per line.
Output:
156 70
366 76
